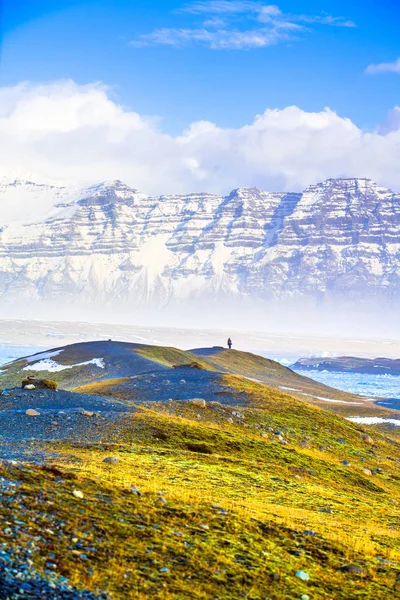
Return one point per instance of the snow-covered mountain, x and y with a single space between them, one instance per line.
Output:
111 245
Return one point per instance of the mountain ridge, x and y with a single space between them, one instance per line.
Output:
115 246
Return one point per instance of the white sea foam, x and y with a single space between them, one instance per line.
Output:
365 384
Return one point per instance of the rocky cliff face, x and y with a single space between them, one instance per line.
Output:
110 243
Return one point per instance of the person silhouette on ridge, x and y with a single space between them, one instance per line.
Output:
229 342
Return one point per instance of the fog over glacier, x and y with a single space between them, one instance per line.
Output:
322 261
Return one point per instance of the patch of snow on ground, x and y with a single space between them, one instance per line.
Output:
52 367
329 399
373 421
283 387
43 355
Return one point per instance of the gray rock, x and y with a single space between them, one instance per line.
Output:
304 444
302 575
111 460
199 402
32 413
355 569
368 439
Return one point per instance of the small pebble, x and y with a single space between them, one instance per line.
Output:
32 413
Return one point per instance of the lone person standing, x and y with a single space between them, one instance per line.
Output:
229 342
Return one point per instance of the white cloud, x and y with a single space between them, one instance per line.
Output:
80 134
222 7
220 39
245 25
392 122
388 67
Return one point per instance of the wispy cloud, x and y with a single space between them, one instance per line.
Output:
236 24
222 7
220 39
326 20
385 67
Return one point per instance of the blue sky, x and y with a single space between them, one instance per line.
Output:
219 61
200 95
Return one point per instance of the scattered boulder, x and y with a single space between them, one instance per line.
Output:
355 569
345 463
304 444
32 413
368 439
199 402
42 384
87 413
30 386
302 575
111 460
367 472
78 494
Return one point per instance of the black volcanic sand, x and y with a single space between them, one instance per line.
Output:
60 417
181 384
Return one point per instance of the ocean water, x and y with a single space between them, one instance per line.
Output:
373 386
9 353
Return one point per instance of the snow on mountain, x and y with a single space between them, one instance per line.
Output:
111 244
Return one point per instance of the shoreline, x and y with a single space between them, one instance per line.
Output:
51 334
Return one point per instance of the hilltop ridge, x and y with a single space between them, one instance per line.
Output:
97 364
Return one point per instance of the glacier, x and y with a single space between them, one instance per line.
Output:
111 247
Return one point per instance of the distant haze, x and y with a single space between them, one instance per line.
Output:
323 261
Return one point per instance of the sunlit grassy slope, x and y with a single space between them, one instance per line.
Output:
218 502
223 499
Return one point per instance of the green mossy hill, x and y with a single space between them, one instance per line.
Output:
172 357
90 362
225 492
269 372
209 502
